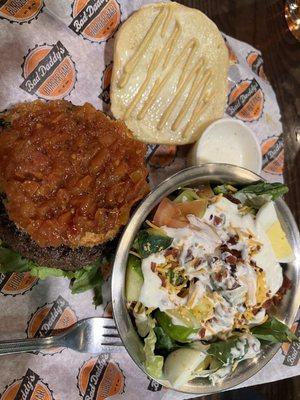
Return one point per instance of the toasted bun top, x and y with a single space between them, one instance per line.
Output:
169 78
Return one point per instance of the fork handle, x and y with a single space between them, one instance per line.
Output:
31 344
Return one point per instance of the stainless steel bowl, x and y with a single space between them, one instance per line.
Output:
287 310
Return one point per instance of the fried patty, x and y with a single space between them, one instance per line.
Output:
70 173
61 257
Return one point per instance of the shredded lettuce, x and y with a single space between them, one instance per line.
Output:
153 363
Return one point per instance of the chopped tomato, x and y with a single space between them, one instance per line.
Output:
169 214
174 215
195 207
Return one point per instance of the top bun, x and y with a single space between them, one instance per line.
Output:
169 78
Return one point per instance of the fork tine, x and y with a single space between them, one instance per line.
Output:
109 332
107 322
111 341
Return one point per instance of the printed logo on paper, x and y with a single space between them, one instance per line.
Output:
154 386
20 11
29 387
255 61
48 72
273 155
51 319
16 283
292 350
246 101
162 156
95 20
106 78
100 378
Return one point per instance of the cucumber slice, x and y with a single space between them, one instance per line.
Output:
134 278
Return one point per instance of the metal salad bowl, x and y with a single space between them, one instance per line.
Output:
286 311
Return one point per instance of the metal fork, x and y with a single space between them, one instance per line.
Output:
91 335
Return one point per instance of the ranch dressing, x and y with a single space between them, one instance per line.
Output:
227 141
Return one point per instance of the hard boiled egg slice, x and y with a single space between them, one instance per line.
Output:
268 220
180 365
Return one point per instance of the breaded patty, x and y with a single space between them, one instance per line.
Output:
70 176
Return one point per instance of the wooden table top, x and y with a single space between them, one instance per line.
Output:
262 24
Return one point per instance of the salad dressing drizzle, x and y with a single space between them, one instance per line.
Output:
166 22
194 74
170 46
132 63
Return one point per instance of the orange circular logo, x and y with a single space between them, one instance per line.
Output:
292 350
95 20
49 72
20 10
273 155
256 63
51 319
29 387
246 101
16 283
100 378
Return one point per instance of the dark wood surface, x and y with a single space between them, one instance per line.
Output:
262 24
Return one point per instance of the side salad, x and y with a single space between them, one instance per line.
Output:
202 277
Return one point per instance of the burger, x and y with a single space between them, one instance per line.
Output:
69 176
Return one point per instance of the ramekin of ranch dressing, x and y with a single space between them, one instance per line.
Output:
227 141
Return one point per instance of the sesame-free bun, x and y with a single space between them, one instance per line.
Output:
169 78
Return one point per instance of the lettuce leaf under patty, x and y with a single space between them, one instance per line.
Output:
88 277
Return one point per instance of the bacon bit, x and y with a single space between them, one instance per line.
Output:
267 304
236 253
189 255
232 199
233 240
286 285
172 252
202 332
183 292
232 260
277 300
163 281
218 276
255 311
197 261
217 221
153 266
224 248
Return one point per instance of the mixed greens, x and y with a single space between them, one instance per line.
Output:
201 277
